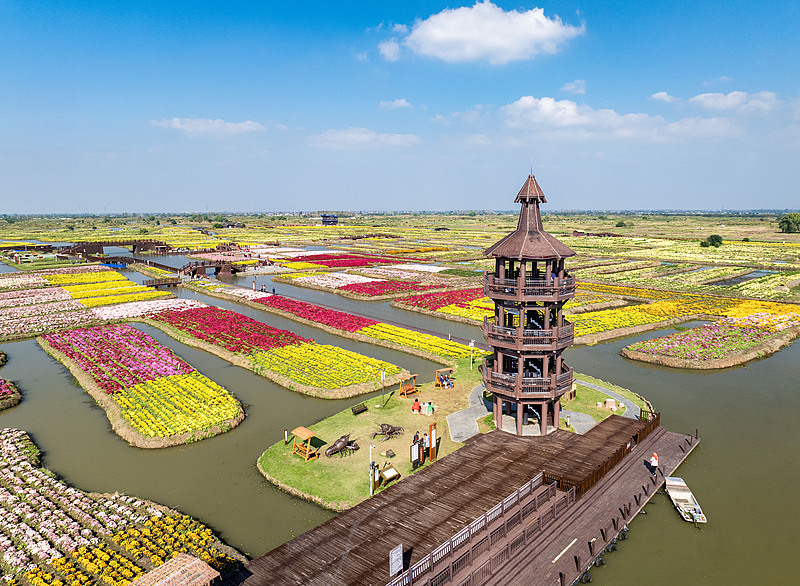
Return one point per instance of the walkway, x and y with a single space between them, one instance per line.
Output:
463 424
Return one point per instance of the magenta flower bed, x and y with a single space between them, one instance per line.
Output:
5 388
708 342
118 356
344 260
385 287
228 329
321 315
434 301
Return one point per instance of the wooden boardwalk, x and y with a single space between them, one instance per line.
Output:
428 508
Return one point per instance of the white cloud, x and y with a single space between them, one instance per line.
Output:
389 49
197 126
360 138
484 32
575 87
362 56
398 103
400 29
664 97
567 120
738 101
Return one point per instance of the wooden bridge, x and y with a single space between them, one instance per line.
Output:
493 512
165 282
201 267
97 247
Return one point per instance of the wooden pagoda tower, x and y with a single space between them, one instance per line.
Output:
529 287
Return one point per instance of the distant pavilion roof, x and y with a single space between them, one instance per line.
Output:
529 240
182 570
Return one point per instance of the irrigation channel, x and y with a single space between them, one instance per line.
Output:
743 472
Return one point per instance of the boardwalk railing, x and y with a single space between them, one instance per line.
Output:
490 540
653 421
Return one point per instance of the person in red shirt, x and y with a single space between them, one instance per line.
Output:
416 407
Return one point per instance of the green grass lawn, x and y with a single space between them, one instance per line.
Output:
631 396
586 401
340 482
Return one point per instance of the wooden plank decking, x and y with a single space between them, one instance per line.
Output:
431 506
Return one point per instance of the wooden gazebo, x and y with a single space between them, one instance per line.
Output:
302 444
529 286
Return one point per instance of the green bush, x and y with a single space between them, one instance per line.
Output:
790 223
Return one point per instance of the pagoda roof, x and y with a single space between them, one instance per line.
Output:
529 240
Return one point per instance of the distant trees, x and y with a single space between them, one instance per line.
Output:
620 224
789 223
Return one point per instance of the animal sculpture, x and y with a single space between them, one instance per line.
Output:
341 446
387 431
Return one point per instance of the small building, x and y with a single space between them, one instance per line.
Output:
330 220
182 570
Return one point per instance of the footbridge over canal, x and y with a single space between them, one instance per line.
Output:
501 510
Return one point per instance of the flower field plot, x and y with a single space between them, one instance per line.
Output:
368 328
52 534
473 306
9 394
154 392
336 261
57 299
714 343
286 358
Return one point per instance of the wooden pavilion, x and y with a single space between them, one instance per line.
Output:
529 287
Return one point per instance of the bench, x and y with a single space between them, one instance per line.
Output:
360 408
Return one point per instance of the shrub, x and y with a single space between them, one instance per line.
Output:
789 223
620 224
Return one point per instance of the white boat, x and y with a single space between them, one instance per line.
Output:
684 500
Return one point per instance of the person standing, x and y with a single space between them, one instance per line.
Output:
654 464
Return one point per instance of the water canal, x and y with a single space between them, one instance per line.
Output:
744 472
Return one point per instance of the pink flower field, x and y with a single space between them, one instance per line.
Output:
118 356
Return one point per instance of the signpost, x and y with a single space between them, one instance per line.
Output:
432 436
471 352
396 561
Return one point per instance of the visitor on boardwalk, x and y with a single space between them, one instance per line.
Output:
654 464
416 407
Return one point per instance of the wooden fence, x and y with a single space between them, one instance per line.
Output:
582 486
476 552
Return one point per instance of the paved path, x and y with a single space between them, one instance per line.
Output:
463 424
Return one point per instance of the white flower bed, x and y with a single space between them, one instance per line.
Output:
39 308
418 267
140 308
335 280
32 296
244 292
38 324
24 281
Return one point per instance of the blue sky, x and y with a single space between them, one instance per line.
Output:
264 106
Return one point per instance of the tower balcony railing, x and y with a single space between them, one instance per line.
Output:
521 338
529 289
513 386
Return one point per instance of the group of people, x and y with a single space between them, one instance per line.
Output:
425 408
445 381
